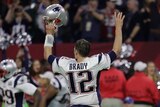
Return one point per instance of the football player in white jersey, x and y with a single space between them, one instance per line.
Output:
57 93
81 71
13 85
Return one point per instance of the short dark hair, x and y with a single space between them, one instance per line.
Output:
83 47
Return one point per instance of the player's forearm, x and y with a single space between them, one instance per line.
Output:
119 17
48 46
37 98
118 40
47 52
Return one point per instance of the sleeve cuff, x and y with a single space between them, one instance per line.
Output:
51 58
112 55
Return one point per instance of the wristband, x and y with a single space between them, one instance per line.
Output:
49 39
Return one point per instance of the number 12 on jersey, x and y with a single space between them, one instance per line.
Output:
80 82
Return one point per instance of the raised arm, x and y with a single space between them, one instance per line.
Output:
119 17
49 39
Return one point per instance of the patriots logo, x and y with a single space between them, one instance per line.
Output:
10 83
56 9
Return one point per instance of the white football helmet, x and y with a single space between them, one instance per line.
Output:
55 13
7 69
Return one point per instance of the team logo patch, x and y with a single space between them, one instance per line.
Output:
10 83
56 9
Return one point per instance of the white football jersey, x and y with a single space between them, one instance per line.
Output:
62 99
13 89
82 77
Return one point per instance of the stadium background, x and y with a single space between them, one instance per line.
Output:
144 51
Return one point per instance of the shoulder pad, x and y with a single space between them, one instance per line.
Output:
20 79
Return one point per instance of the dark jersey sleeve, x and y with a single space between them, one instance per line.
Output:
112 55
23 78
51 58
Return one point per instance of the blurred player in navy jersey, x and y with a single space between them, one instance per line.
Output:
13 85
81 72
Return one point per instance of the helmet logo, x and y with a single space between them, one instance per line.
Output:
56 9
